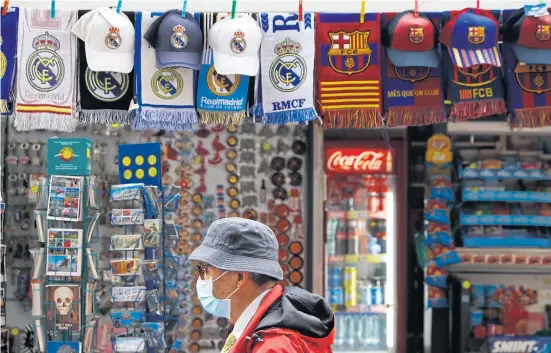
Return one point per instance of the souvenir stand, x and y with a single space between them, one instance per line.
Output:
63 278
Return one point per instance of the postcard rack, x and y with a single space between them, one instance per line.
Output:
4 338
65 268
147 296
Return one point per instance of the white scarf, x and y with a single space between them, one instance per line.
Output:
286 91
157 108
46 71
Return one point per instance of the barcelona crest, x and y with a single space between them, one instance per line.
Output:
476 35
533 78
412 73
475 76
543 32
349 52
416 35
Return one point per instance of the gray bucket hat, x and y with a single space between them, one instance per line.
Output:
239 244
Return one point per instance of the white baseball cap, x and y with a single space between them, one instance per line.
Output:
236 43
109 39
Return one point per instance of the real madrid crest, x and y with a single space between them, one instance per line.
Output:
45 69
3 62
288 70
238 43
167 83
113 39
106 86
178 38
221 85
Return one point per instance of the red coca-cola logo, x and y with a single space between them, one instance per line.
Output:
358 160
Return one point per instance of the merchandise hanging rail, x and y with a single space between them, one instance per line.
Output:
341 6
493 128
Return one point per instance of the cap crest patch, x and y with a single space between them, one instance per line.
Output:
543 32
416 35
476 35
179 38
113 39
238 43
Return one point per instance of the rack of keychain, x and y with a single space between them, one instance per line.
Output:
63 303
146 292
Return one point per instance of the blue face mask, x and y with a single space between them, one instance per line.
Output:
211 304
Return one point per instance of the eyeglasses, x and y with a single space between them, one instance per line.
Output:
203 271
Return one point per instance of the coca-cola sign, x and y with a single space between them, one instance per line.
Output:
359 160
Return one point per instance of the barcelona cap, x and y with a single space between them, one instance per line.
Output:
471 38
410 40
530 37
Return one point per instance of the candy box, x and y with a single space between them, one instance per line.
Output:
437 298
437 211
432 227
443 238
436 276
445 256
69 156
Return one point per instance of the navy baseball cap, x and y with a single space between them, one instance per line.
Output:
178 41
530 37
471 37
410 40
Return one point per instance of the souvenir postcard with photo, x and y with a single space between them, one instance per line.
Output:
127 267
127 318
65 198
151 232
126 216
63 312
126 242
64 252
128 294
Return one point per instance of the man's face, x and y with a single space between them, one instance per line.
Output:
223 284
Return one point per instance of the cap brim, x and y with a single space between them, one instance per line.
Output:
402 58
532 56
226 64
237 263
464 58
101 61
188 60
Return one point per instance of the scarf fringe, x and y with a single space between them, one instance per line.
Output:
179 116
463 111
414 116
532 118
137 122
104 116
44 121
290 116
364 119
226 118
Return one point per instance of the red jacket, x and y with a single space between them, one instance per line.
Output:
289 320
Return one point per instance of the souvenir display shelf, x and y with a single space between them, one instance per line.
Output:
503 276
361 245
63 279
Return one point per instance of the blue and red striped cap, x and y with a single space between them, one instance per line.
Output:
410 40
471 37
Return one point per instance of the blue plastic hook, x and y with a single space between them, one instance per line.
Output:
184 8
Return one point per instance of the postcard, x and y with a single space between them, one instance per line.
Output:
64 252
65 198
127 318
128 294
150 269
126 242
63 347
129 344
125 192
151 232
126 216
63 309
126 267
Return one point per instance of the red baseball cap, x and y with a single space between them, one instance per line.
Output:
411 40
531 37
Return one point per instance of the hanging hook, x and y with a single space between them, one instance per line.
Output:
362 12
119 5
184 9
233 6
5 7
300 15
52 9
416 8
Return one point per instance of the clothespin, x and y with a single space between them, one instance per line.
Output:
300 15
362 12
416 9
184 9
52 9
233 6
477 4
119 5
5 8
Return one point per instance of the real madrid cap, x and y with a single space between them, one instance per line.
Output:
108 39
410 40
471 38
178 41
236 43
530 37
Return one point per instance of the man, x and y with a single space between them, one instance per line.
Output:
238 279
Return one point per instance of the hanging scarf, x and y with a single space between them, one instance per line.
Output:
104 96
221 99
160 108
475 92
349 70
286 86
8 51
46 77
413 95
